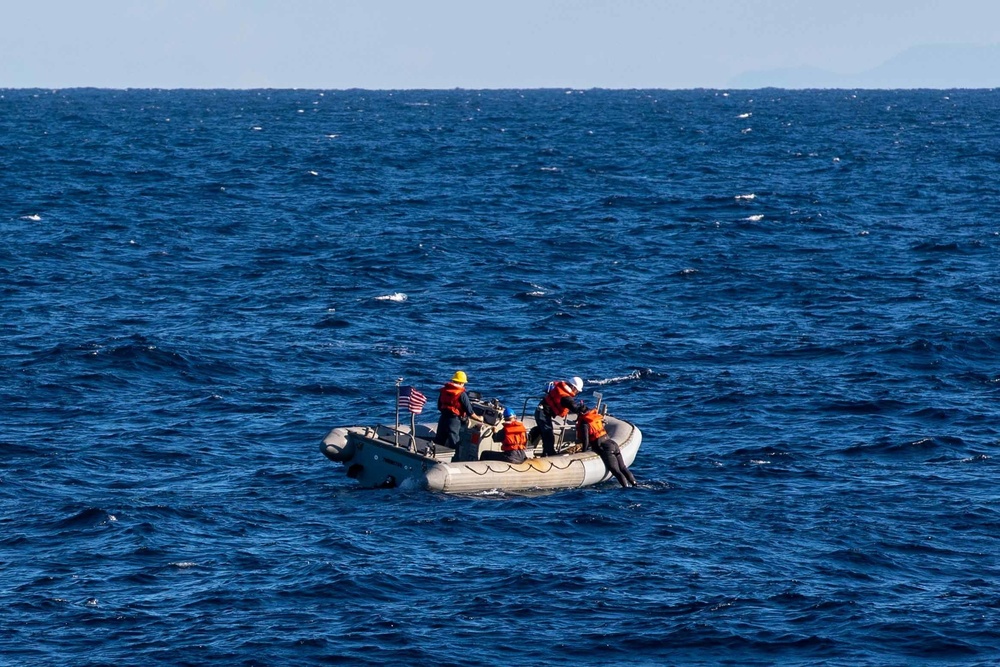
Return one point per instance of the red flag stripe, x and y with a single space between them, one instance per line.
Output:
411 399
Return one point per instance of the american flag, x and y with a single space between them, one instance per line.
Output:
411 399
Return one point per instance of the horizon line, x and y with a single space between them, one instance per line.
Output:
567 89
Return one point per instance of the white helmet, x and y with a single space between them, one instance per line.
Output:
577 383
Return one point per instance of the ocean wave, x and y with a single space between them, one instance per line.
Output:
91 516
637 374
819 432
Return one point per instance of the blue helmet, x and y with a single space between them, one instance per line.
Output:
508 413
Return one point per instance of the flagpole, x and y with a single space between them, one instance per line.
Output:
413 431
399 381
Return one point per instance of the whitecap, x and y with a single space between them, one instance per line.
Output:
637 374
747 196
753 218
550 168
760 462
313 173
411 484
491 492
744 115
394 350
747 130
33 218
395 296
184 564
332 136
534 294
256 128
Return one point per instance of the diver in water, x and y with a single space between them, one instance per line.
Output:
590 433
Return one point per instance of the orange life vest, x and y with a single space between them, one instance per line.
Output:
553 399
450 400
515 436
592 420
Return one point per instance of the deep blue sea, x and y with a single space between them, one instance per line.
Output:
794 295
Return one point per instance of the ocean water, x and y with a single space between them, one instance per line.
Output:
793 294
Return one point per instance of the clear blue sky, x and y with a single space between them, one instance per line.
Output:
464 43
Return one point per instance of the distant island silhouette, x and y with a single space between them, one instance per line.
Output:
927 66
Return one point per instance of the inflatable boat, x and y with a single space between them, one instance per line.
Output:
387 456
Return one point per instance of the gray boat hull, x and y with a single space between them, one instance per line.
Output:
382 457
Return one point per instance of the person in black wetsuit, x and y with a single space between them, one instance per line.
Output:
590 433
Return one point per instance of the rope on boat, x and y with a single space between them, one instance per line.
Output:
489 469
510 466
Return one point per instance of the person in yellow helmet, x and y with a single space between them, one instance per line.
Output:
455 407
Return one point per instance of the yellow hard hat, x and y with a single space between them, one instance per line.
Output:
460 377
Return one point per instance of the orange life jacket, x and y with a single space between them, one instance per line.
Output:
553 399
515 436
450 400
592 420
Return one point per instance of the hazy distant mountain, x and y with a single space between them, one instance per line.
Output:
927 66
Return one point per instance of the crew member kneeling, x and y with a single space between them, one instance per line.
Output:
514 437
